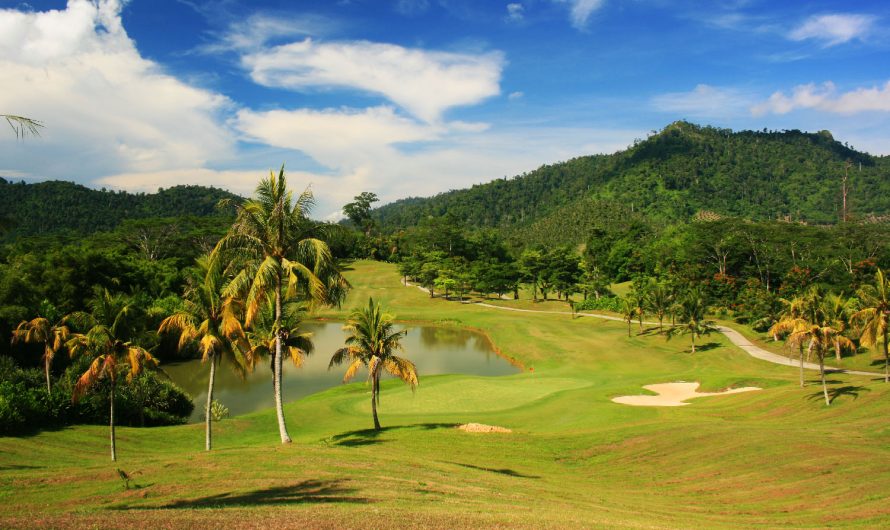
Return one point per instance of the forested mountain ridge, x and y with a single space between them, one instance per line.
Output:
672 175
56 207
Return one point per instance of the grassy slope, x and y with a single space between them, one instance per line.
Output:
778 457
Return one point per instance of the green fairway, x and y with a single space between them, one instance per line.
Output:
776 457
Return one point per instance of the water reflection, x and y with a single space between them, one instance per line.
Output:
434 351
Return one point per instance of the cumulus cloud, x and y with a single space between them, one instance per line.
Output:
580 10
425 83
704 101
827 99
515 12
106 109
833 29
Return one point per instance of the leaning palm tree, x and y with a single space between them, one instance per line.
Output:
111 323
277 254
22 126
874 316
211 321
692 309
52 336
371 343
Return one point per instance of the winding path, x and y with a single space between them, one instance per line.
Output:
734 336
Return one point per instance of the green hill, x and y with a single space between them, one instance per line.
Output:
55 207
671 176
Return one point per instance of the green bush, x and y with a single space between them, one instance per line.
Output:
603 303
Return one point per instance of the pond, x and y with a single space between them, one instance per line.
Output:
434 350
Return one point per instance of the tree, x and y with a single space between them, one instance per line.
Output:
371 343
819 339
836 311
210 321
531 266
52 336
359 211
875 316
111 326
659 301
628 311
22 126
692 310
639 297
262 335
798 314
280 255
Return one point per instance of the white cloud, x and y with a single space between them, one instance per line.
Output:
513 96
704 101
580 10
515 12
425 83
833 29
827 99
106 109
259 29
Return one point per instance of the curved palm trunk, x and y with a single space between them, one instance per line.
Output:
375 392
276 369
111 423
207 436
822 373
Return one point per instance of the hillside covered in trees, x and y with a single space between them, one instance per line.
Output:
671 176
65 208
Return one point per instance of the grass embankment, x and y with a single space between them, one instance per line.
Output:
777 457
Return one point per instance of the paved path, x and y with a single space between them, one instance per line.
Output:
734 336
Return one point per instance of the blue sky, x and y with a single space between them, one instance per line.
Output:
415 97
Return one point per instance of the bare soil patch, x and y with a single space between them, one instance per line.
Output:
480 427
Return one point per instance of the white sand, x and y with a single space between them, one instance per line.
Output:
674 395
480 427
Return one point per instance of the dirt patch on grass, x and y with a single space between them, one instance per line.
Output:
480 427
674 395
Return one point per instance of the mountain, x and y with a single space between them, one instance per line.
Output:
55 207
671 176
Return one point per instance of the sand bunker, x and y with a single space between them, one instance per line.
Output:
674 395
479 427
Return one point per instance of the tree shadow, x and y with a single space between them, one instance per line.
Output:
707 346
363 437
836 392
305 492
878 362
504 471
18 466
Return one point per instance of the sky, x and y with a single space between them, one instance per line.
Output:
415 97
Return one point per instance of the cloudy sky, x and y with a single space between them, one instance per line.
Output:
413 97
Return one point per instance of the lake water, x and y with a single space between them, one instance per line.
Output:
434 350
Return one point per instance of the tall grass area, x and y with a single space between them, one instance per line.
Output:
777 457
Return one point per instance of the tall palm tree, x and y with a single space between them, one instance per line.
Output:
112 324
52 336
819 339
836 311
692 309
628 311
874 316
279 255
211 321
22 126
800 313
659 301
371 343
263 334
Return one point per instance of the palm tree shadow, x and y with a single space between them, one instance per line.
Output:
504 471
363 437
836 392
305 492
707 346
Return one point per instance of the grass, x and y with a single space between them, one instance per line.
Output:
778 457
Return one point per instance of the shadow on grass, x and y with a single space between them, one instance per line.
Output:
505 471
372 436
707 346
305 492
836 392
18 466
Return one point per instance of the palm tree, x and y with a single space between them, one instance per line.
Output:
819 339
211 321
875 316
628 311
836 311
262 335
371 343
41 330
660 300
111 325
22 126
692 310
278 255
799 314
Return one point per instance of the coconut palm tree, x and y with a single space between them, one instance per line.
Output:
22 126
800 313
371 343
262 335
819 338
112 324
874 316
52 336
659 301
279 255
628 311
692 308
836 311
210 321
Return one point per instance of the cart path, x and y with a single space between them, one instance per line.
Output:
734 336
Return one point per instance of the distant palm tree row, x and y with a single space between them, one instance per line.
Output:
245 301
